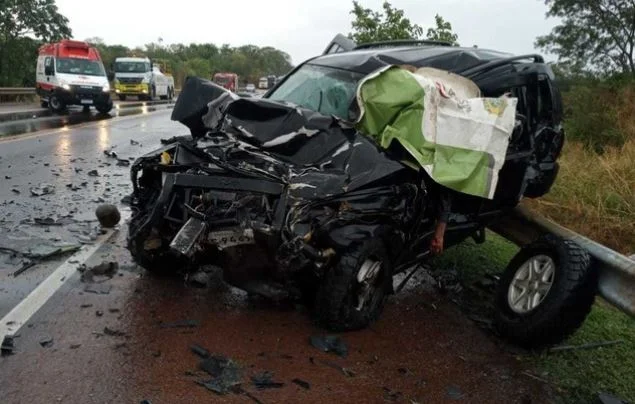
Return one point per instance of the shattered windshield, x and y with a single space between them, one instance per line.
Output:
132 67
79 66
323 89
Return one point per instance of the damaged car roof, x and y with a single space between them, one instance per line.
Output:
450 58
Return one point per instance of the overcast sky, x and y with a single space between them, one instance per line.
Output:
302 28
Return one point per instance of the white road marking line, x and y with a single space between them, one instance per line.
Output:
23 311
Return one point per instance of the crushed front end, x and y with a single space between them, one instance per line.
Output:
270 193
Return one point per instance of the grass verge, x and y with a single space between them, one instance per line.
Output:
595 195
580 374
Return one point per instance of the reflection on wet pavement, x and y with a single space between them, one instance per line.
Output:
75 117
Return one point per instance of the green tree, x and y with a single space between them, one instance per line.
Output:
372 26
594 35
442 31
24 24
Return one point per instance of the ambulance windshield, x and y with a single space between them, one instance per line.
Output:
79 66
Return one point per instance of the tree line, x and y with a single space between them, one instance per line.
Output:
27 24
250 62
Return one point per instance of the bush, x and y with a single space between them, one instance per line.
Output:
599 114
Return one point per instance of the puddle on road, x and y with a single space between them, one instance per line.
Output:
13 128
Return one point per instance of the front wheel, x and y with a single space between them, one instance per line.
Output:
545 293
352 294
56 105
104 108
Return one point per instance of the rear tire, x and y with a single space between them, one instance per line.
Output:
337 301
44 104
569 292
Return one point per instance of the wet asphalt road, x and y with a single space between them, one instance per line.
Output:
111 347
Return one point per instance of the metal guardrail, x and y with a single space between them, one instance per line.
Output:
17 90
616 282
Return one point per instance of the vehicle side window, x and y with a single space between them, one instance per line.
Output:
48 62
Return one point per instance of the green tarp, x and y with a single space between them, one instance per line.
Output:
459 139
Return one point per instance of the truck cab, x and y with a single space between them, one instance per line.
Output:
140 77
226 80
72 73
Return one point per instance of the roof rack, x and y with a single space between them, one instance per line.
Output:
401 42
480 69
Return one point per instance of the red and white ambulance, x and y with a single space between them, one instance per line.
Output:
72 73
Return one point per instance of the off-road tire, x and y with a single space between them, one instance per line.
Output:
334 307
566 305
159 261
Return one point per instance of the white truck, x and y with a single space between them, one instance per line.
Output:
140 77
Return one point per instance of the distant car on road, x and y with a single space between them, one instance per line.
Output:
250 88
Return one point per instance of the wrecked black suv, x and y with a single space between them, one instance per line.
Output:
290 199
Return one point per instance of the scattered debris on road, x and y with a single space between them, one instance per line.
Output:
108 215
264 380
302 383
46 342
134 142
390 395
93 173
181 324
225 372
42 189
106 270
200 351
113 333
7 346
98 288
454 392
110 153
330 343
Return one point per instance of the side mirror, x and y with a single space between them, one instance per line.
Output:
110 75
48 70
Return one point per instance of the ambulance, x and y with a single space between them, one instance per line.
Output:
71 72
